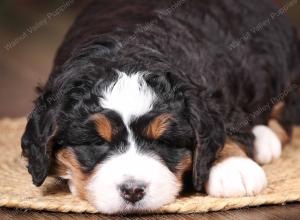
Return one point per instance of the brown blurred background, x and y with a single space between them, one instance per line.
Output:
26 59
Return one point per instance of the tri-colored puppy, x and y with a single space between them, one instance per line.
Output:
147 96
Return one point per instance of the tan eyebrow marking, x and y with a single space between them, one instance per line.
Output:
158 126
103 126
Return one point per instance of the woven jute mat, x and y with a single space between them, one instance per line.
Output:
17 190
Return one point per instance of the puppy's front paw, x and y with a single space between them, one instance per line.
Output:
267 146
234 177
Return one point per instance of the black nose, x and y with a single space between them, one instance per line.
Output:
133 191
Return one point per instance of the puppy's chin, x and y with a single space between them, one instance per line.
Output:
104 190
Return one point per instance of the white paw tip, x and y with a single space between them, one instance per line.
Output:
236 177
267 146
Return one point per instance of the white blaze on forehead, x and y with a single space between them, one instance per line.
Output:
130 96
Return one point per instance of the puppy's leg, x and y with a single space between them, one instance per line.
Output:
280 124
234 174
283 135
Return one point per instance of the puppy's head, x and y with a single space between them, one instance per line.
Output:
128 143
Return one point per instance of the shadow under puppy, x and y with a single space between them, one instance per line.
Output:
146 96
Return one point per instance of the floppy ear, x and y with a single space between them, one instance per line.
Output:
37 143
205 120
209 133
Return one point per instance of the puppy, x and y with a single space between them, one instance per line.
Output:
147 96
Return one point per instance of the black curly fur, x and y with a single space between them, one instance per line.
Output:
210 86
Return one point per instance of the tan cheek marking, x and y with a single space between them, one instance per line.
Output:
279 131
158 126
58 169
230 149
103 126
66 160
184 165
